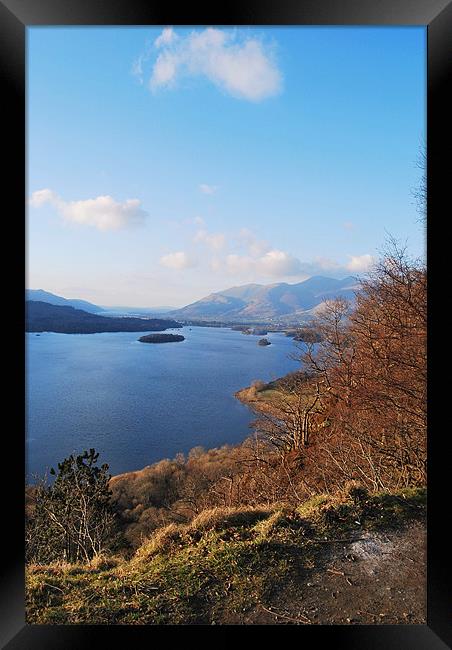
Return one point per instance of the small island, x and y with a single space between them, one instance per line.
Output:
161 338
264 342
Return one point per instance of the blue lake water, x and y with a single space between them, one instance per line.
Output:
137 403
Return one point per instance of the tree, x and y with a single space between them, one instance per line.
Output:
293 413
389 326
373 363
72 519
420 192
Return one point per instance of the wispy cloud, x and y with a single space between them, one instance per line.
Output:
177 261
255 246
167 37
102 212
208 189
137 68
241 65
216 241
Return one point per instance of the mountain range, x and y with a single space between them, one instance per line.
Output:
280 302
273 302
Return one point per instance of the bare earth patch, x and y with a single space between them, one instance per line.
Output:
378 579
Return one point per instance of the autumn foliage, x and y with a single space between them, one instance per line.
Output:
369 373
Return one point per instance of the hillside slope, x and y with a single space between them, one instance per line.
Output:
40 295
329 561
268 302
44 317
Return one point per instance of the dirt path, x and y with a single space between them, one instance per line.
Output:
379 578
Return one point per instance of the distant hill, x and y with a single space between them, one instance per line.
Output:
257 302
136 311
45 296
44 317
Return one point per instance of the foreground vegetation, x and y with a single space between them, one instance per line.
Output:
229 565
358 407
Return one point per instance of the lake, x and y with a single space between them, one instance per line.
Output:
137 403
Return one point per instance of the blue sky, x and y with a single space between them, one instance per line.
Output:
164 164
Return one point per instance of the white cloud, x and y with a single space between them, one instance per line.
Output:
279 264
214 240
254 257
208 189
103 212
360 263
177 261
274 263
240 66
164 72
40 197
166 37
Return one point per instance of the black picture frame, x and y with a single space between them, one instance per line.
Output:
15 17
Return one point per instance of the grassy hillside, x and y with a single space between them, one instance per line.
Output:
269 564
275 396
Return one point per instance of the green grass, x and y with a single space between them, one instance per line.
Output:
214 570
